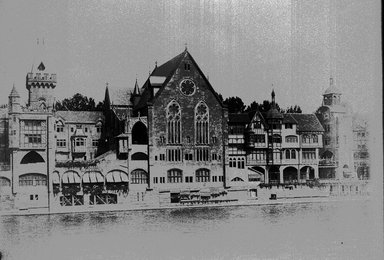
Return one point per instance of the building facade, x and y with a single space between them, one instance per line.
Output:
171 140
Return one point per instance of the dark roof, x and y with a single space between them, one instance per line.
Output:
307 123
238 118
288 118
121 113
170 66
80 116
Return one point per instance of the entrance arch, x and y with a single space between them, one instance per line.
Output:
274 174
307 173
290 174
139 133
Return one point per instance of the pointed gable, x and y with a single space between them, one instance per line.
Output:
161 76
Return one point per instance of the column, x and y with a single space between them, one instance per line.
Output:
281 175
266 175
316 171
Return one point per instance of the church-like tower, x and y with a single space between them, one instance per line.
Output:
40 85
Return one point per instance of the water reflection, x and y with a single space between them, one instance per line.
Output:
306 231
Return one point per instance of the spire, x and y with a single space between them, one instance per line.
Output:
186 46
107 101
14 92
136 90
273 97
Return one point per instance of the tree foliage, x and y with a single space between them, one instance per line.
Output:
78 103
293 109
264 107
235 104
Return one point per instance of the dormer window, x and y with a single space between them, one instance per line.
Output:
60 128
288 126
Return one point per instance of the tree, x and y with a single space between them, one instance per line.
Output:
235 104
264 107
78 103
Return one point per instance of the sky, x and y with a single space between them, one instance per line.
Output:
246 48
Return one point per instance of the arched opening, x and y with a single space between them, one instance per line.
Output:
55 177
139 156
290 174
202 175
237 179
70 183
307 173
139 176
5 182
274 174
175 176
117 180
32 157
139 134
93 182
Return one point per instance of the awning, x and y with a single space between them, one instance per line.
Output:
70 177
117 176
93 177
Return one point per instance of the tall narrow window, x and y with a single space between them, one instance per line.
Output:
174 123
201 123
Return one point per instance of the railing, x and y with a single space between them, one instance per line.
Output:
327 162
256 162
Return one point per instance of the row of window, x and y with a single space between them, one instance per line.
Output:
60 128
237 163
176 176
199 154
61 143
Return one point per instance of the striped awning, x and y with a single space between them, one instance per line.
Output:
93 177
70 177
117 176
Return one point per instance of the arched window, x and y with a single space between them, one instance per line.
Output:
315 138
291 139
305 139
293 154
203 175
139 176
237 179
139 156
287 154
5 182
202 123
174 123
33 179
139 133
175 176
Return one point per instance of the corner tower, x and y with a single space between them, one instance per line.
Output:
40 85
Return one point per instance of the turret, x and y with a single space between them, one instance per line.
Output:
40 85
135 96
332 95
14 101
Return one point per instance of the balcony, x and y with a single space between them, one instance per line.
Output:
257 162
327 163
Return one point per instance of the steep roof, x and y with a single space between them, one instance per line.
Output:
80 116
239 118
167 70
307 122
332 90
120 97
288 118
121 113
14 92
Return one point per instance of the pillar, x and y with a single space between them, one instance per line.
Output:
316 171
266 175
281 175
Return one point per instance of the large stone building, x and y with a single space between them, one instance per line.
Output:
170 140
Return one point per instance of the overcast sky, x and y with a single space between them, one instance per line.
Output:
243 46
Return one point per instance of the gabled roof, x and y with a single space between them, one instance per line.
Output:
166 71
238 118
307 122
80 116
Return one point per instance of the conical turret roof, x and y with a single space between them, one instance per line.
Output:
14 92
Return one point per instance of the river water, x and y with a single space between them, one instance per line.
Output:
331 230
